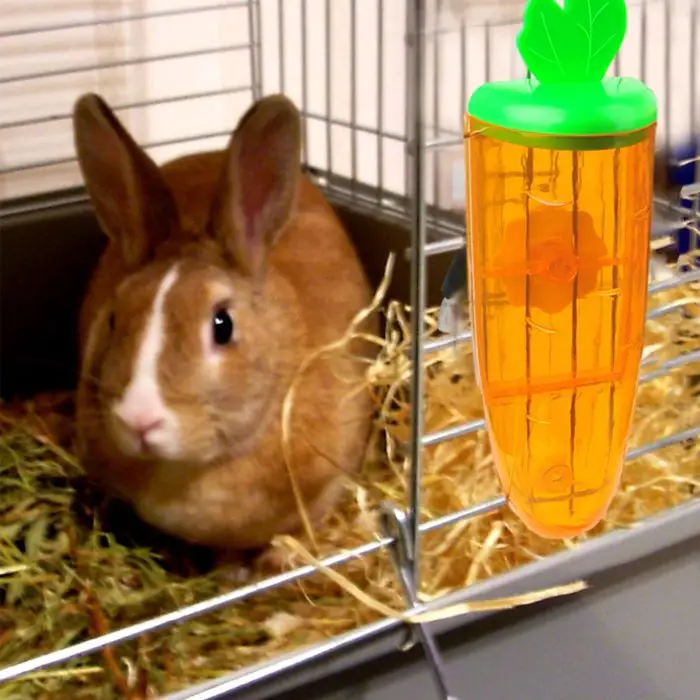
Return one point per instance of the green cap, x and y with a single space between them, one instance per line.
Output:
568 51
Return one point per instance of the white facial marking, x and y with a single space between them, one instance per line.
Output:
150 424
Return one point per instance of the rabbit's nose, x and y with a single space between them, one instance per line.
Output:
143 415
143 426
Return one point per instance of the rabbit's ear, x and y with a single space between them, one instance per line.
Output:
261 178
131 201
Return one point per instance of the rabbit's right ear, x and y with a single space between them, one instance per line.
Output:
258 192
133 204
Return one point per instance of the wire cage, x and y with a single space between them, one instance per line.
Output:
382 86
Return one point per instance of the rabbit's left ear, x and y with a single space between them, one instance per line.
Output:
260 184
131 200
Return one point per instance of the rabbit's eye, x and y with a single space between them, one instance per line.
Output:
222 327
111 321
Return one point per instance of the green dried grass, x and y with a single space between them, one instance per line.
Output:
72 567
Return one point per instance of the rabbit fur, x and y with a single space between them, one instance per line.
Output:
235 246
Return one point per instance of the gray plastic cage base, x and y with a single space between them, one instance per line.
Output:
635 638
634 635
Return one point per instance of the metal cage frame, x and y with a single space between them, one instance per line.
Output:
432 232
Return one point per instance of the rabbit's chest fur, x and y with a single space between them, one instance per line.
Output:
243 503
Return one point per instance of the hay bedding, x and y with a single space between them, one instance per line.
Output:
71 568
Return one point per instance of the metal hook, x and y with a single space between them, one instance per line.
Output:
394 524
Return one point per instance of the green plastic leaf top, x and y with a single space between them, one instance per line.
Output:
575 43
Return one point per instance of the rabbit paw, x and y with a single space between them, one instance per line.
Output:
272 561
232 568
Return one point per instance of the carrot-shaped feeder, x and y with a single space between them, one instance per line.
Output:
559 191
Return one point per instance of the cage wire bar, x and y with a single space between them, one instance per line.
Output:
432 232
251 46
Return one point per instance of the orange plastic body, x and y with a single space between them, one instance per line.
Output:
558 245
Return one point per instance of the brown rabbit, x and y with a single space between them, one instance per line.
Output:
223 272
